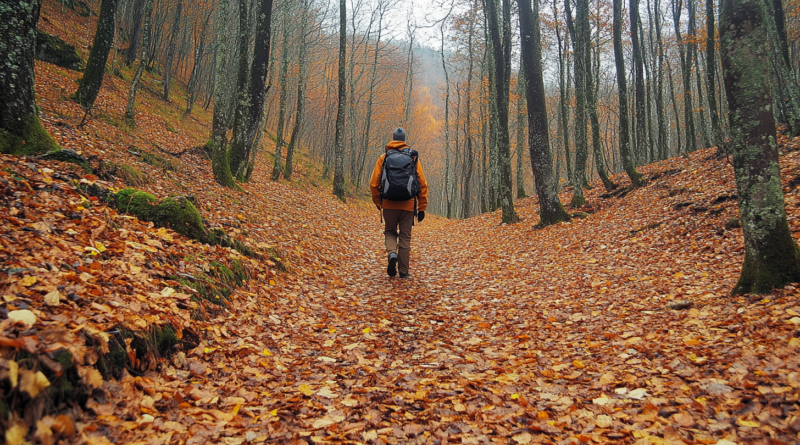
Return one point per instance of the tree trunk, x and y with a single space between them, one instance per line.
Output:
502 66
220 164
338 174
711 68
133 47
772 258
564 94
301 93
661 117
92 79
773 14
640 143
550 209
674 109
21 132
176 25
448 198
686 71
622 93
465 207
148 11
580 39
591 96
693 55
284 69
194 77
521 132
252 107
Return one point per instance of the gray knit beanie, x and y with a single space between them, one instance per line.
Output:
399 134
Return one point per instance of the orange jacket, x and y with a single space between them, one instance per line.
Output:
375 182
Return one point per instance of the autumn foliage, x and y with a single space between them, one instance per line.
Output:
615 327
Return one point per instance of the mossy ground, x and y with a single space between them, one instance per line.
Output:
176 213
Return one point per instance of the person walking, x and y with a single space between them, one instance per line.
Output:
400 191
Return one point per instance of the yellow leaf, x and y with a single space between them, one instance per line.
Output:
13 373
305 389
578 364
53 298
332 330
791 312
514 396
274 412
236 409
366 330
27 281
748 423
16 434
99 246
266 352
271 282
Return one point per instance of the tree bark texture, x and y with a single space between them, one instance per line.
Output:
711 74
502 65
628 162
220 164
282 79
301 94
640 143
772 258
92 79
551 210
338 172
579 43
686 72
253 103
21 132
176 25
148 11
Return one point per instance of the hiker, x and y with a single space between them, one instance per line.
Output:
400 191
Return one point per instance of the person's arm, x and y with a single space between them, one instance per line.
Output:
375 181
422 202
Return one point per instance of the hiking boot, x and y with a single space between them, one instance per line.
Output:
392 268
403 275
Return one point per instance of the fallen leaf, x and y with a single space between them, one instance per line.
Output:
27 281
24 316
53 298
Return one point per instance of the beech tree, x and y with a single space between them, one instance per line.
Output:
338 172
92 79
772 258
148 12
21 132
250 107
501 59
622 92
551 210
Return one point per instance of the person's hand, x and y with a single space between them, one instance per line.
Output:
420 215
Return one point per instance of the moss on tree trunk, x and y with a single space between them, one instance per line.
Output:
772 258
21 132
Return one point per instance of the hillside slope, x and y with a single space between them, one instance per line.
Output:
615 328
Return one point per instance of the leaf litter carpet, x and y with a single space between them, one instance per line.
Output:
502 334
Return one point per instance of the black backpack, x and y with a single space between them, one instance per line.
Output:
399 175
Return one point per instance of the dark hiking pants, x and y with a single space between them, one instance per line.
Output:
400 244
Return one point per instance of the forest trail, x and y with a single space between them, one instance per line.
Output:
616 328
503 334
